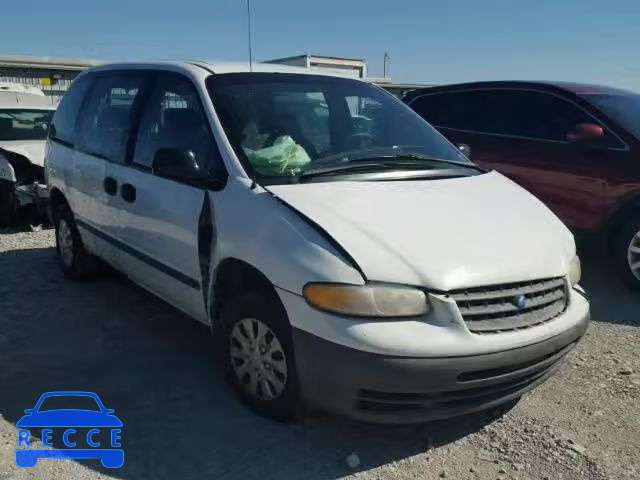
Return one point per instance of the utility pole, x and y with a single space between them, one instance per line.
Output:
387 62
249 32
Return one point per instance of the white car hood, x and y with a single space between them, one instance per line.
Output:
32 149
441 234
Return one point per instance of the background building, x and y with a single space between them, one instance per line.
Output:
54 75
350 66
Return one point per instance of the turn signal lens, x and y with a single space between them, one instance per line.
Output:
367 300
575 271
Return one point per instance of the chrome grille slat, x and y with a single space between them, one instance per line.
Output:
467 309
493 310
507 290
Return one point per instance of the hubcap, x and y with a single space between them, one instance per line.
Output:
258 359
65 243
634 255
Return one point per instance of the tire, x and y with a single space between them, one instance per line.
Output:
266 380
74 259
627 252
7 206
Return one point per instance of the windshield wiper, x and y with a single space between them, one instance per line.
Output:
387 163
403 161
421 159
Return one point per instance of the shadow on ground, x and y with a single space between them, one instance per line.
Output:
611 300
159 372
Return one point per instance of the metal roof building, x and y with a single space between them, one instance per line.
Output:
54 74
51 74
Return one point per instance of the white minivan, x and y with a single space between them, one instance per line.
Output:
347 257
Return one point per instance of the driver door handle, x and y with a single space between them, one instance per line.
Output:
110 185
128 192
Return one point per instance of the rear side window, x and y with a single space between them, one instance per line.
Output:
437 109
107 114
521 113
64 120
174 118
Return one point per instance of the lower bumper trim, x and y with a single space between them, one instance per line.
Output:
384 389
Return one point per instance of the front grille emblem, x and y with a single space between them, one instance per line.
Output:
519 301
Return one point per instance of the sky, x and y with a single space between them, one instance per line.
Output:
429 41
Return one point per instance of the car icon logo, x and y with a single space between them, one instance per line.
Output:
92 432
519 301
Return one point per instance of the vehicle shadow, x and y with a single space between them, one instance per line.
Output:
611 300
159 371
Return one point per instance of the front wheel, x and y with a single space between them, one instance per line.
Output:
627 251
258 355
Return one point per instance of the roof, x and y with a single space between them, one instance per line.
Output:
59 63
586 88
23 96
576 88
223 67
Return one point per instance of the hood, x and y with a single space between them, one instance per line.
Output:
440 234
31 149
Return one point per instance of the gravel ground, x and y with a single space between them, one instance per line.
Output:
156 368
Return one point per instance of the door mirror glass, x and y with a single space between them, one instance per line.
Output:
586 133
465 150
177 164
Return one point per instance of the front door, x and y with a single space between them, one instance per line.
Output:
166 225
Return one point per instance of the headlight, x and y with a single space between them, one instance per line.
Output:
367 300
575 271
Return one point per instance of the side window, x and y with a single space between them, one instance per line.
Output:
64 120
533 114
305 117
174 118
106 116
521 113
365 114
435 108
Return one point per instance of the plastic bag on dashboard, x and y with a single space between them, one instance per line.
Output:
284 157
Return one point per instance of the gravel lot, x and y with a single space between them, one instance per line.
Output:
157 369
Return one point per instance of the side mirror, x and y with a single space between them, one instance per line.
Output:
109 411
177 164
465 150
586 133
29 411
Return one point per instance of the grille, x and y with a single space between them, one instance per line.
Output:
496 309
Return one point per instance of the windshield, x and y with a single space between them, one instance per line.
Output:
623 108
24 124
281 125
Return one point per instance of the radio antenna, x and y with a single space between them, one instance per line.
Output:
249 32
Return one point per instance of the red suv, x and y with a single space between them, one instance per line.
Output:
576 147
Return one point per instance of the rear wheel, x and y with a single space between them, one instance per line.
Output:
7 205
627 251
258 355
74 259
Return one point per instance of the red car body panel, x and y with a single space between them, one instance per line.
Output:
583 186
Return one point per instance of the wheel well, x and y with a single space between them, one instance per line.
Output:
235 276
56 198
621 214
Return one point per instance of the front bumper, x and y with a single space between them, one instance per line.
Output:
393 389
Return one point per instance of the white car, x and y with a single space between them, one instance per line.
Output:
25 114
377 274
